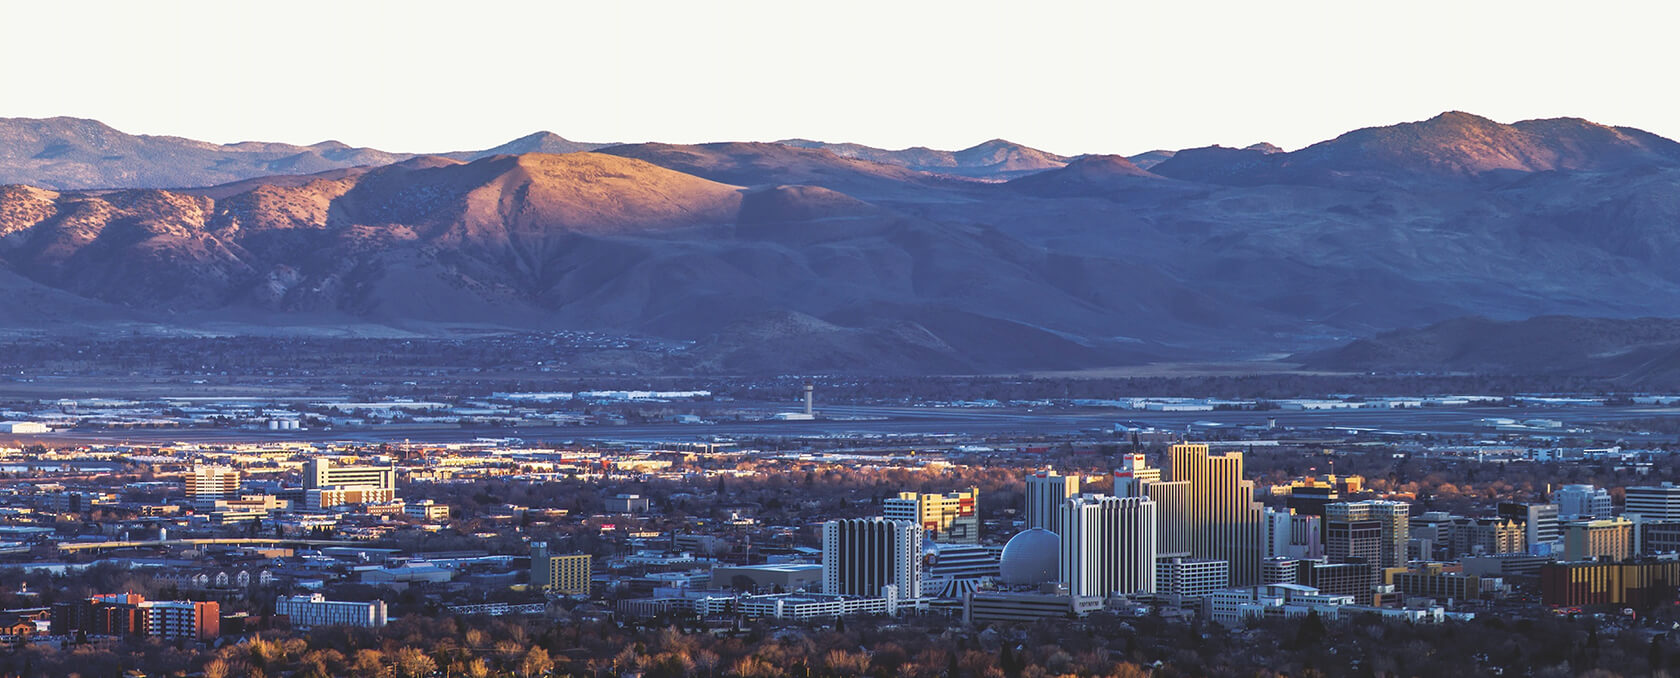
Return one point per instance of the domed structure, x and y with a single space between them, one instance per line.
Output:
1030 558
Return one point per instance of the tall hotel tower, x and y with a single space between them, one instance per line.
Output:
872 557
1109 545
1133 474
1046 492
1207 511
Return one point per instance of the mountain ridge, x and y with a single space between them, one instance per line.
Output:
1214 253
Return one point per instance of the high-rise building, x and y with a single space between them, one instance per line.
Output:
1539 521
1375 532
1207 511
1134 472
566 574
1598 539
873 557
1582 501
1046 492
1292 535
206 484
1486 537
307 612
1654 502
1348 540
1109 545
192 619
951 518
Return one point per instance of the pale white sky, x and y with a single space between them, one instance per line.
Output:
1069 77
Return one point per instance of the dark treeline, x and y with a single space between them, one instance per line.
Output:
923 647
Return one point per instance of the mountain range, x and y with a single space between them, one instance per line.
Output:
808 256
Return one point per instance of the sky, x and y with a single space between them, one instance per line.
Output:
1068 77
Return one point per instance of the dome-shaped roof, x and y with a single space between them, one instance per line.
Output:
1030 558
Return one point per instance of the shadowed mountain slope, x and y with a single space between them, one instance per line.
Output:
1635 350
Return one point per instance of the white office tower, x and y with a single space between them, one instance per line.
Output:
873 557
1582 501
1109 546
207 484
1134 472
1290 535
1654 502
1207 511
1046 492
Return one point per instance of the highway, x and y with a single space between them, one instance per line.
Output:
881 421
242 541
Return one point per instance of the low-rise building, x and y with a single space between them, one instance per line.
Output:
633 504
786 576
1187 578
1634 585
1026 606
307 612
427 509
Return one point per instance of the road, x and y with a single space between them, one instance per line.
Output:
853 421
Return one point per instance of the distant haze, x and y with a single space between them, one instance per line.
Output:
1066 77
